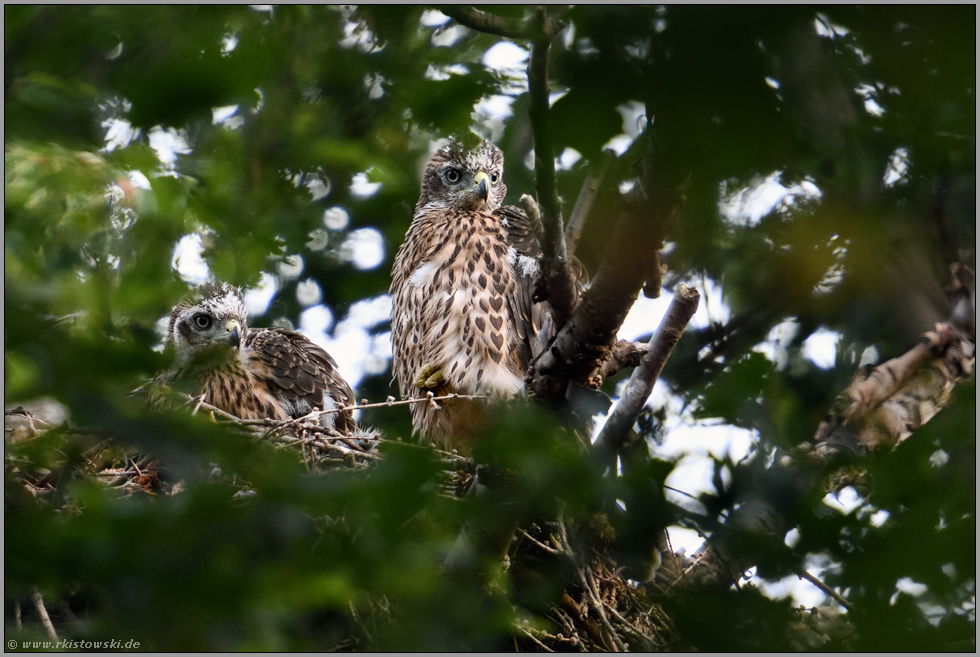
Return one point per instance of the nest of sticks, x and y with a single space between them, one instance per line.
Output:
600 609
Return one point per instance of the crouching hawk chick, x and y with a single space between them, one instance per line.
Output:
462 316
268 373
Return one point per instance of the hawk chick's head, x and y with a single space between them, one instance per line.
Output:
464 180
211 320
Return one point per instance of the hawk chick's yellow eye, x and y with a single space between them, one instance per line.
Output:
452 176
202 321
494 177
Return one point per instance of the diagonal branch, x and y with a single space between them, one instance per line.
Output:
558 279
896 399
42 612
586 197
615 433
481 21
583 344
802 574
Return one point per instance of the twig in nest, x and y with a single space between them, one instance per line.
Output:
199 402
626 624
31 419
600 608
585 578
43 613
115 473
359 622
534 638
670 546
541 545
315 415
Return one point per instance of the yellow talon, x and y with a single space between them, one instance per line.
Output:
429 377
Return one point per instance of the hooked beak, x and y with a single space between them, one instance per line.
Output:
482 188
234 336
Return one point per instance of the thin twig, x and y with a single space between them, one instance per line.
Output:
682 492
43 613
359 622
18 622
626 624
589 587
316 414
586 197
31 419
216 410
533 638
546 548
670 546
600 608
802 574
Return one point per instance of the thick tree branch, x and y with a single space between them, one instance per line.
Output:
481 21
617 428
586 197
583 344
881 410
558 279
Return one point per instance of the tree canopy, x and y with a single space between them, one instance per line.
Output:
813 169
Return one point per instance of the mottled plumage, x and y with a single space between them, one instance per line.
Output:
266 373
461 285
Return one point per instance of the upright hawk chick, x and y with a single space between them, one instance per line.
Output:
461 318
253 374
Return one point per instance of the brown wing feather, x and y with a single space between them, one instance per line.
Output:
522 237
298 373
534 322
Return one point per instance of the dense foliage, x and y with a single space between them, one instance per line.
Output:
873 107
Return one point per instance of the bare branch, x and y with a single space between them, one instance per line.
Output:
313 416
899 395
897 398
535 640
546 548
481 21
561 289
590 188
623 354
616 430
802 574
